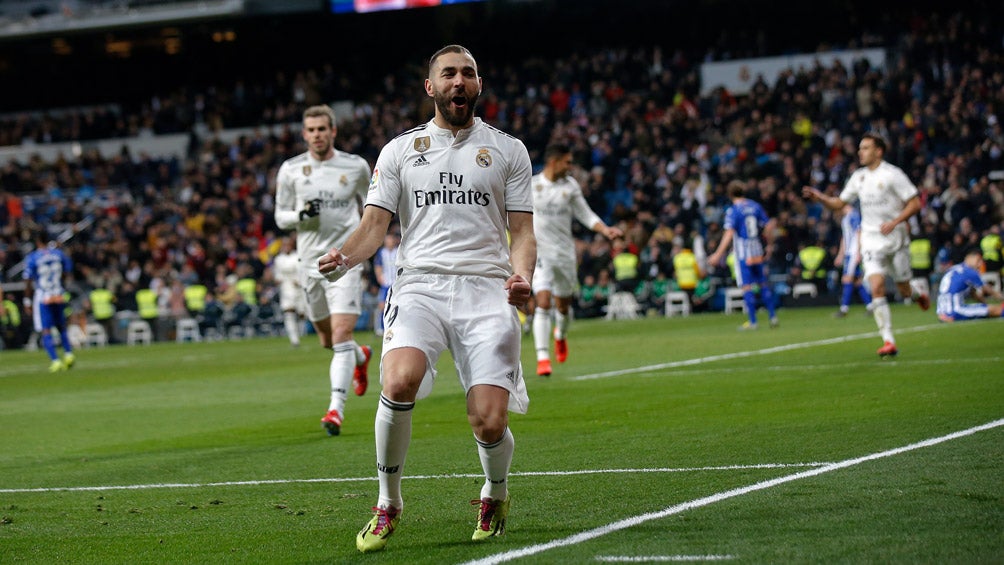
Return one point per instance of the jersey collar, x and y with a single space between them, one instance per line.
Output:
461 135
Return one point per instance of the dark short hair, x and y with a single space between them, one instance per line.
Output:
556 150
974 250
736 188
877 139
454 48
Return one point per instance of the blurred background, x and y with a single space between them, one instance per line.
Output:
145 135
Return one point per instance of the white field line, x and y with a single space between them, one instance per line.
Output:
725 495
742 354
833 366
661 558
413 477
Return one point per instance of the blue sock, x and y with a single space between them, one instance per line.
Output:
865 294
64 340
845 296
49 347
767 296
750 299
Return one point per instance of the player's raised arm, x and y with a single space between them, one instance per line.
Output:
831 202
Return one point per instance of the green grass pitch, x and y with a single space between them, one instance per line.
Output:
659 440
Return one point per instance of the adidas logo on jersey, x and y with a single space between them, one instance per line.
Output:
420 162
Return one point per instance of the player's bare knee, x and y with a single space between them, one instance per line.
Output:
488 428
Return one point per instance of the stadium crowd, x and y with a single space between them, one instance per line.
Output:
653 156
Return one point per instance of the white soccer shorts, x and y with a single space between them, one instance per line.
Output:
325 298
468 315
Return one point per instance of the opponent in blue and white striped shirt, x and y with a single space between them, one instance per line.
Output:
43 275
849 257
962 284
745 223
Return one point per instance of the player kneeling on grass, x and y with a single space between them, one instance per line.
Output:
962 284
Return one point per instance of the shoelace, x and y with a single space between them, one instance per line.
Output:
487 512
383 519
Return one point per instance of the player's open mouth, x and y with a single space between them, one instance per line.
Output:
459 101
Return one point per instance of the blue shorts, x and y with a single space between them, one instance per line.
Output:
750 274
48 316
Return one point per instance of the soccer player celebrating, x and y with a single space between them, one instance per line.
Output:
963 283
745 222
44 293
319 194
888 199
456 184
557 198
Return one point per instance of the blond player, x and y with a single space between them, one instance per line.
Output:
888 199
319 194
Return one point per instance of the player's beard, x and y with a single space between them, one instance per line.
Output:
321 150
462 116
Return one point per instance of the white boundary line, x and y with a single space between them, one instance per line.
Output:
725 495
742 354
413 477
661 558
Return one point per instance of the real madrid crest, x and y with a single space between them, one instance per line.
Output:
484 158
306 170
343 180
422 143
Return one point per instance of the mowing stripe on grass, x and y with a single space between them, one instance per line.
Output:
677 509
741 354
413 477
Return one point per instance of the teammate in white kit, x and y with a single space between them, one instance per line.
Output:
888 199
292 302
557 199
319 194
456 184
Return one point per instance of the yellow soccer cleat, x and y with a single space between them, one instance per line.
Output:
373 536
491 518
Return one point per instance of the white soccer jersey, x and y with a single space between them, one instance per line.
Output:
555 203
340 183
452 194
883 193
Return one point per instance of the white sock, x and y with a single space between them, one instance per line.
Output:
560 324
360 354
340 372
393 434
291 321
883 318
542 333
495 460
